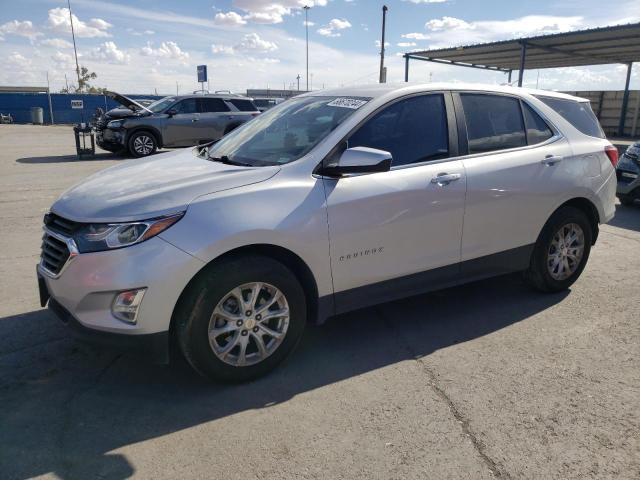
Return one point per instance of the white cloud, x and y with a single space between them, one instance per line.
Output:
63 60
416 36
56 43
18 60
253 42
169 50
407 44
22 29
447 31
378 43
59 21
229 18
222 49
330 29
110 53
270 11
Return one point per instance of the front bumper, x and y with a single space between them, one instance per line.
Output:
153 345
628 174
89 282
112 140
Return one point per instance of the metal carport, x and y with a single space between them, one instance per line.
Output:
597 46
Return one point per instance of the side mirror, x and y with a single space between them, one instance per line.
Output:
171 112
359 160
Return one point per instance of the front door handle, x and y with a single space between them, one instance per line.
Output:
550 160
194 120
443 179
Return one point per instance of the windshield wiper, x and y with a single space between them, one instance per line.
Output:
227 161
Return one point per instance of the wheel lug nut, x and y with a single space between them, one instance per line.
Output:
244 333
258 317
239 323
248 313
255 329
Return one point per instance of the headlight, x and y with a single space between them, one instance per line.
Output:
115 123
96 237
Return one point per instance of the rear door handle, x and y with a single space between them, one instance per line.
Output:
551 160
443 179
194 120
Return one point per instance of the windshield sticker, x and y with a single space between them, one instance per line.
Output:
344 102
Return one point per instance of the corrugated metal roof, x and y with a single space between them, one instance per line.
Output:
597 46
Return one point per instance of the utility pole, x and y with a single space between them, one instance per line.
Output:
306 25
384 25
177 89
75 51
298 78
66 82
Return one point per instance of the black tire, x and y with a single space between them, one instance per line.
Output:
538 274
194 311
142 144
626 200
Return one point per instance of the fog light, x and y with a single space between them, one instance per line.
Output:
126 304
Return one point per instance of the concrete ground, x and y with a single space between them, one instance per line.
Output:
481 381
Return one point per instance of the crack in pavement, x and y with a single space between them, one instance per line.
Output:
496 469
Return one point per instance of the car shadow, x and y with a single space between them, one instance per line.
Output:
71 406
99 156
627 217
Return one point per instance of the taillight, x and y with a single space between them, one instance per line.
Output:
612 153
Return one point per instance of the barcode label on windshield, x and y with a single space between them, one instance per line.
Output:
344 102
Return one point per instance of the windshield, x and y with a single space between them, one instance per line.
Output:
160 105
287 132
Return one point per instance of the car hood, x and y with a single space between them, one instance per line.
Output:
127 102
156 186
122 113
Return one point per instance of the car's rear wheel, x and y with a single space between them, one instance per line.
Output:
142 144
626 200
241 318
561 252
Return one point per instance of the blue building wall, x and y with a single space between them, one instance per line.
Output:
18 105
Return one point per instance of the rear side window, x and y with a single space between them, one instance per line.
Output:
578 114
537 129
412 130
212 105
243 105
493 122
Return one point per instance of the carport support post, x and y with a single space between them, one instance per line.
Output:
406 68
625 102
523 56
509 79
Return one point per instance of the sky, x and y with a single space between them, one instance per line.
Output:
149 46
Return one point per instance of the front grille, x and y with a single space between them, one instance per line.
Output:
54 253
61 225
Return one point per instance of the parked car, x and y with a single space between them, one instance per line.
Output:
327 203
6 118
628 171
180 121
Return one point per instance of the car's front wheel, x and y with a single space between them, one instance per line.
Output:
240 318
142 144
561 252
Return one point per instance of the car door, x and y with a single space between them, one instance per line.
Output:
214 117
180 129
387 229
517 168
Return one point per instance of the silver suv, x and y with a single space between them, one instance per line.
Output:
329 202
180 121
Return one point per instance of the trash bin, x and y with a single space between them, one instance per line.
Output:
37 115
85 140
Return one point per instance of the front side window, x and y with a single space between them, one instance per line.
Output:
537 129
578 114
286 132
494 122
160 105
187 106
413 130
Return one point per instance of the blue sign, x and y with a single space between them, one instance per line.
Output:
202 73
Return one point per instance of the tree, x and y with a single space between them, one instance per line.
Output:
85 76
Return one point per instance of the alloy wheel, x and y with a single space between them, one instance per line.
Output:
566 251
248 324
143 145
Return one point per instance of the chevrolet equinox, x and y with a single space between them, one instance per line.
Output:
329 202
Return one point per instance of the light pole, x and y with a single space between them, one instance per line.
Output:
306 25
298 78
73 36
384 19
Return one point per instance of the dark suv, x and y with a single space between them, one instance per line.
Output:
180 121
